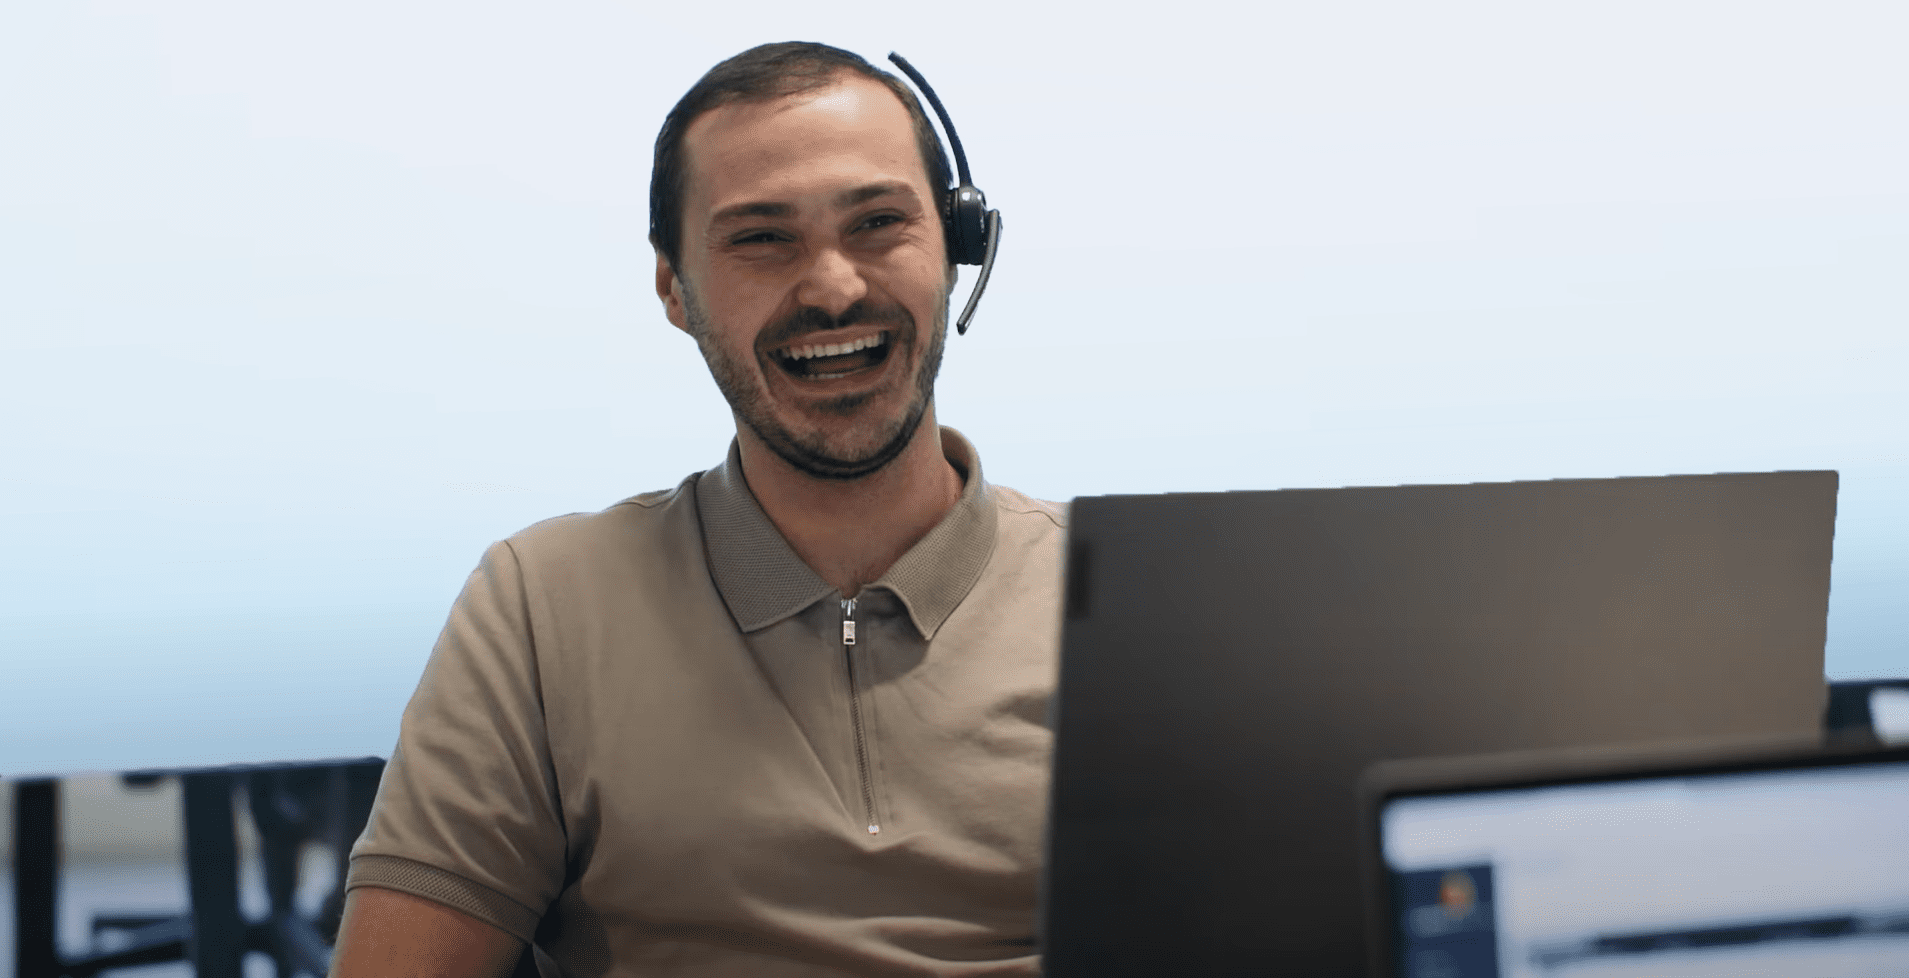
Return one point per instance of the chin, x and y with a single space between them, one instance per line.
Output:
851 455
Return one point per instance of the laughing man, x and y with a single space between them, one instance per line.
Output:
787 718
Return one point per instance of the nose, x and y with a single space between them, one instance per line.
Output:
831 283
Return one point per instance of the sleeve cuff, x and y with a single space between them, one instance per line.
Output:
450 889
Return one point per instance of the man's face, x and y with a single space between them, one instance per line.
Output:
813 274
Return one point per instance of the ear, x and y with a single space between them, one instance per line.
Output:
670 289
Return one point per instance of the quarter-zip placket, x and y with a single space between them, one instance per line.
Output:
855 715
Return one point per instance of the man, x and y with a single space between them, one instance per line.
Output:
789 717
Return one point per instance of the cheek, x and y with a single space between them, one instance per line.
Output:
927 275
735 320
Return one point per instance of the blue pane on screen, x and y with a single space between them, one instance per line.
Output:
1447 923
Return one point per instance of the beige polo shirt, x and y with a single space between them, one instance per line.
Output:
650 741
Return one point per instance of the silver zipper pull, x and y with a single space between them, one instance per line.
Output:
848 621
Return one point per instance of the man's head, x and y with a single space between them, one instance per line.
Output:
761 74
796 212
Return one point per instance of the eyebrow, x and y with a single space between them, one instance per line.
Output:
868 192
847 198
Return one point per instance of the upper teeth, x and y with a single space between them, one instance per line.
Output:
834 349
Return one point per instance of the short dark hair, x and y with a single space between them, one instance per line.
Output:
760 74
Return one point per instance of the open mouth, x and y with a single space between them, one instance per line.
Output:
828 361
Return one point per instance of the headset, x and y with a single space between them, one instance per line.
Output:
974 232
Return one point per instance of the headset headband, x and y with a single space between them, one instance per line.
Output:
973 231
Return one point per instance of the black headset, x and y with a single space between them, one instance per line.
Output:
974 232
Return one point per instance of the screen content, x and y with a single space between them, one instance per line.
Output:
1790 873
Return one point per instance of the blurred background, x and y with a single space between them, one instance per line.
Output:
304 305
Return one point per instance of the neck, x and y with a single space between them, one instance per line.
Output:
851 531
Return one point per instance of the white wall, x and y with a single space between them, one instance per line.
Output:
302 306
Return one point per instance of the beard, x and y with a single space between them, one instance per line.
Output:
880 441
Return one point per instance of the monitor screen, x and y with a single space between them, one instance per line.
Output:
1800 871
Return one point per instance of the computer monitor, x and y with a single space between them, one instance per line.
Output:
1733 862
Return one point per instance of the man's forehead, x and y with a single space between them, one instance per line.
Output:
848 116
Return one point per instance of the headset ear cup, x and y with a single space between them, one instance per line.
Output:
968 226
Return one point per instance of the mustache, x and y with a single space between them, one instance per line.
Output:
811 319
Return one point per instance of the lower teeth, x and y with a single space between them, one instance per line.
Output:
813 374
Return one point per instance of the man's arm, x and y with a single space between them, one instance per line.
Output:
388 934
467 809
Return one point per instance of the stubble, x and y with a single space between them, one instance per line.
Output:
745 389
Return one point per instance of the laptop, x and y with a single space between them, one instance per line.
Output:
1232 662
1716 860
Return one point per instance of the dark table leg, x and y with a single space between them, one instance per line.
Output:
36 873
218 941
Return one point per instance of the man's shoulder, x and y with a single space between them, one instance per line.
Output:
1027 508
614 528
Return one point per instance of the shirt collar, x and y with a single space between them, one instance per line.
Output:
763 581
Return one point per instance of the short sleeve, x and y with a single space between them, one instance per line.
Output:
467 813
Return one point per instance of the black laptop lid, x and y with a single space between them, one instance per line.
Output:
1231 662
